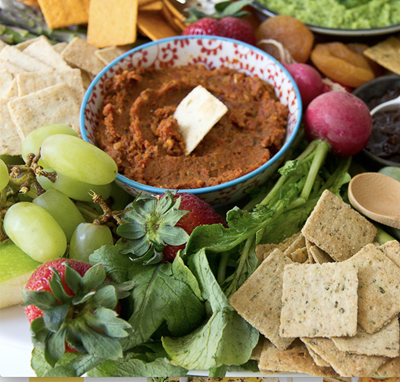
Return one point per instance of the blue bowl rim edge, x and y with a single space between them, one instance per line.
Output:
203 190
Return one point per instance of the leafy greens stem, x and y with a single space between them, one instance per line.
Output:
382 237
319 158
222 267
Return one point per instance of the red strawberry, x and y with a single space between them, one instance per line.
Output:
206 26
231 27
238 29
200 213
71 306
155 228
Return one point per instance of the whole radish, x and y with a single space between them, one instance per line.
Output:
341 119
308 80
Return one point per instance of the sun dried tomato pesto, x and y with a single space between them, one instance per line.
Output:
139 132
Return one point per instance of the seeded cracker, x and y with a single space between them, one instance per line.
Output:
392 251
319 300
43 51
319 255
258 300
337 229
263 250
344 363
296 359
379 288
384 342
5 82
80 54
33 82
10 141
11 68
109 54
317 359
299 242
389 369
299 255
28 63
52 105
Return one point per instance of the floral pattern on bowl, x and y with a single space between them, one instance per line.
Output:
214 53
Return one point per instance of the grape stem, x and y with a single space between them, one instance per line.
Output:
108 213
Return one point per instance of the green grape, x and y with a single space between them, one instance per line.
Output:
11 159
391 171
35 231
4 177
87 238
63 210
75 189
78 159
34 140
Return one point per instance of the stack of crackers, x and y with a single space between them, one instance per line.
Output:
326 301
43 84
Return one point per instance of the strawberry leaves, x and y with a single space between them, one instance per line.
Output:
149 226
84 318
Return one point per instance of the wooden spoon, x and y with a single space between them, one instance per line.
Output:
377 196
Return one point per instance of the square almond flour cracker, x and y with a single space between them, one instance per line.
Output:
320 256
52 105
392 251
319 300
378 288
10 141
337 229
384 342
258 300
344 363
295 359
389 369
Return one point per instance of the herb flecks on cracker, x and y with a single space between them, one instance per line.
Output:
319 300
337 229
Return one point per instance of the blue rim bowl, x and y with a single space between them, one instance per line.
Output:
206 193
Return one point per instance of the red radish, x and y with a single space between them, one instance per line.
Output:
341 119
308 80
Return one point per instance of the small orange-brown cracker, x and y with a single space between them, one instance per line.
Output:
112 24
62 13
146 22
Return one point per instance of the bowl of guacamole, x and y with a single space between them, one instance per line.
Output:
338 17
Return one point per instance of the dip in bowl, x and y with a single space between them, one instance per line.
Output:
175 66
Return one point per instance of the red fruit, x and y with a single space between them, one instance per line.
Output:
238 29
206 26
200 213
229 26
39 281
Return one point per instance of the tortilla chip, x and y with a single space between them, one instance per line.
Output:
51 105
10 141
43 51
33 82
110 25
258 300
5 82
392 251
11 68
384 342
28 63
58 14
378 288
386 53
109 54
59 47
337 229
346 364
80 54
320 256
295 359
319 300
147 20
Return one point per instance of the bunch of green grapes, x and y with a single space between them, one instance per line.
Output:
56 218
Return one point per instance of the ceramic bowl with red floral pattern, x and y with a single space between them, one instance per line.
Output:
214 53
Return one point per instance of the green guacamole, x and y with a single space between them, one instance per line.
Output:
340 14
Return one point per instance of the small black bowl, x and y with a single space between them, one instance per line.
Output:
370 92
